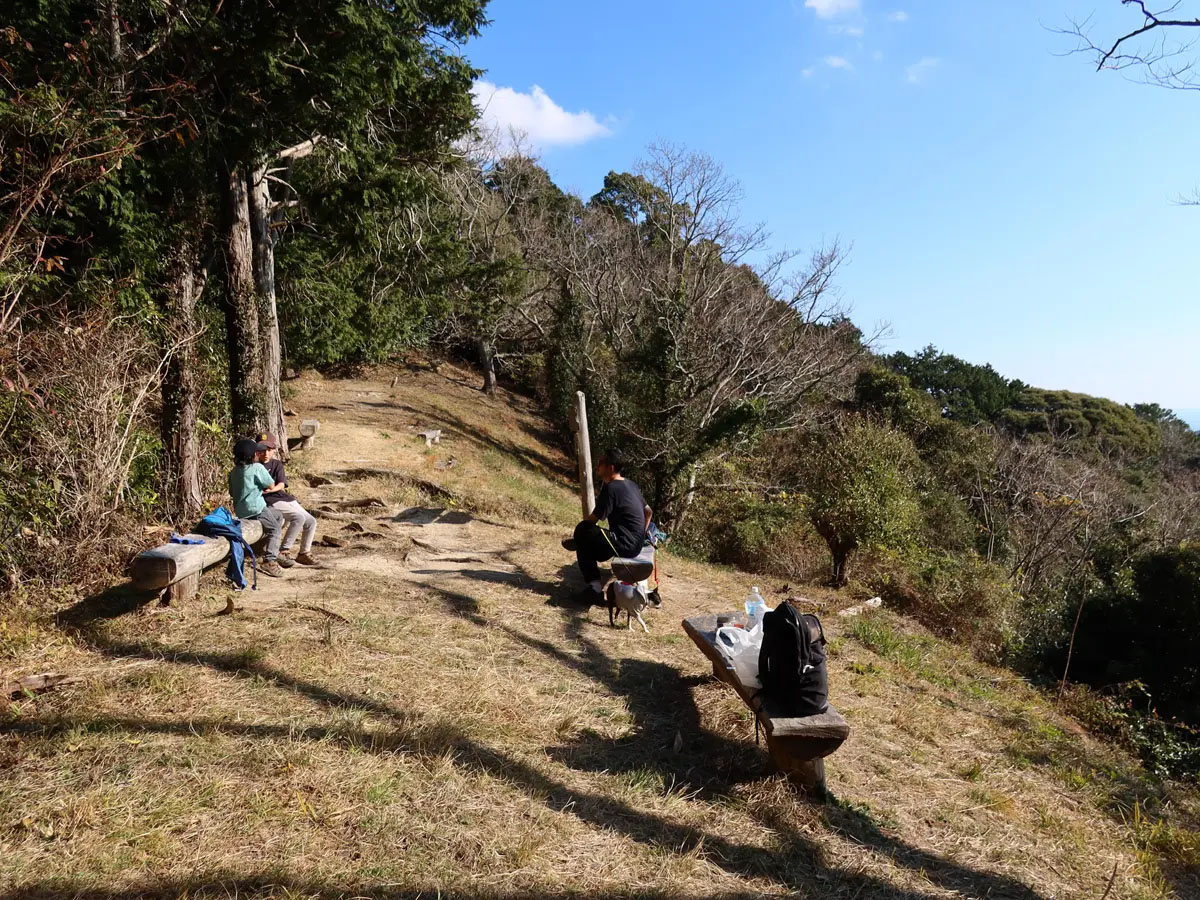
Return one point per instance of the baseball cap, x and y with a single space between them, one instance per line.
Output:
269 440
244 450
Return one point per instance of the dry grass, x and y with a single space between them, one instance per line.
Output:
470 734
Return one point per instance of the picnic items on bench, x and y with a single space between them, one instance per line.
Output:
797 744
791 661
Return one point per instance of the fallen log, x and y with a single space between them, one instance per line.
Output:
326 512
31 684
177 567
859 609
363 503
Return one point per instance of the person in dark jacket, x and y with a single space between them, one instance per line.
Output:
297 520
620 503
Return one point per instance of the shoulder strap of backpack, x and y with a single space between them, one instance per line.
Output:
820 628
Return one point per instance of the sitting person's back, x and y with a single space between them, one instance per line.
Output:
247 480
622 504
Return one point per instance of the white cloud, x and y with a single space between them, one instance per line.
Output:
828 9
807 73
848 30
534 115
920 72
898 16
877 56
838 62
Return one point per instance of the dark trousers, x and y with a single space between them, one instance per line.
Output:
272 525
592 545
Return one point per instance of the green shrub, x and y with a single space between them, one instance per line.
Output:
957 596
1141 625
1169 749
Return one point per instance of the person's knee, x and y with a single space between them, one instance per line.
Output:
584 528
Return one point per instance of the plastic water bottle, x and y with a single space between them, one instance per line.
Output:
755 607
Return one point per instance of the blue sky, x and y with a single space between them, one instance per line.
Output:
1003 201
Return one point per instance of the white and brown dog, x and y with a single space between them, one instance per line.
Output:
630 599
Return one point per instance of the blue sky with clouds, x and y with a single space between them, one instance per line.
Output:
1003 200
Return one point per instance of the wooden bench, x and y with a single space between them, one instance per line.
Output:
308 434
176 568
797 746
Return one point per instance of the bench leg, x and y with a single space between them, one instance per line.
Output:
184 589
806 774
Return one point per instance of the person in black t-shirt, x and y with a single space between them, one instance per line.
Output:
622 504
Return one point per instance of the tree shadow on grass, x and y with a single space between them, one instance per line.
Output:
795 865
225 885
534 461
557 593
794 862
109 604
661 702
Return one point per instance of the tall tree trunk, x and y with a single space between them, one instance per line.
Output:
268 316
487 359
110 13
179 389
247 396
685 502
841 564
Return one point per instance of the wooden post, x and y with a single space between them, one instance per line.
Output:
583 447
183 590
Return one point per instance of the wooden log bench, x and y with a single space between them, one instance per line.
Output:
176 568
797 747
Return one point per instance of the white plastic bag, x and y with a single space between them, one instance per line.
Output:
741 648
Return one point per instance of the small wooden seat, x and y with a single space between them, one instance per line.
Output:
797 746
177 567
632 569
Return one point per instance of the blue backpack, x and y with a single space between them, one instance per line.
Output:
221 523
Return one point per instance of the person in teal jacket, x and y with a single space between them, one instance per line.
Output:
248 481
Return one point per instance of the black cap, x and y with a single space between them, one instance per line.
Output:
244 450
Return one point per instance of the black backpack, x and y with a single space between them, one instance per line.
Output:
791 666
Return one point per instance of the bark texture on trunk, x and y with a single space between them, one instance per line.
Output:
180 389
268 316
840 550
685 502
246 388
487 359
110 14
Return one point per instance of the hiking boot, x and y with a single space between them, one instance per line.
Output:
285 562
271 568
305 559
589 596
569 544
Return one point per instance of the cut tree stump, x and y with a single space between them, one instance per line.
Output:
797 746
308 433
176 568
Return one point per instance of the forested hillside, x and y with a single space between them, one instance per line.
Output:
196 198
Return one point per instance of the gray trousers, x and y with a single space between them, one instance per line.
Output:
272 526
297 520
